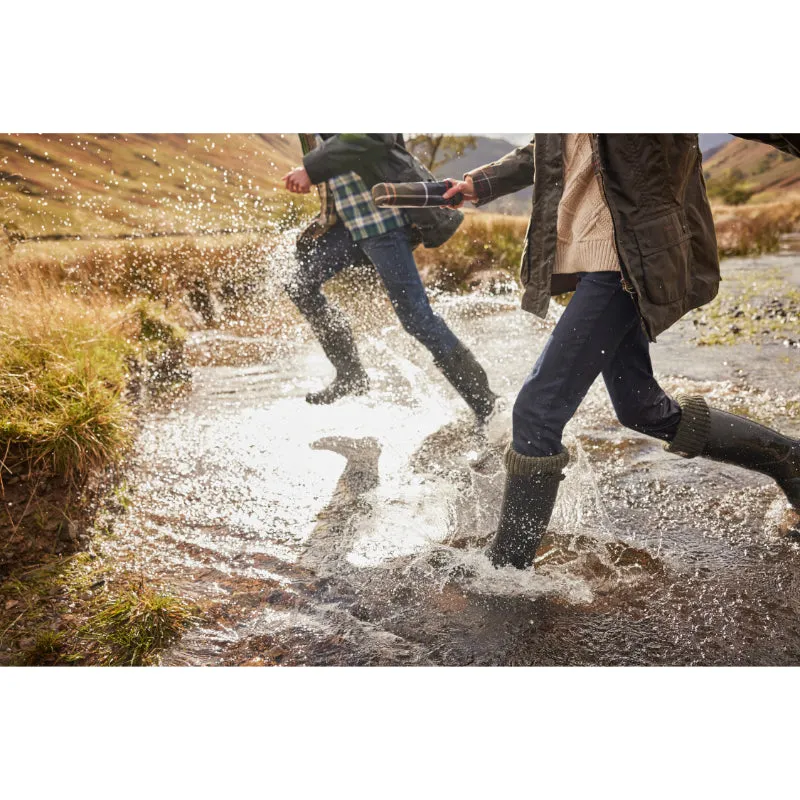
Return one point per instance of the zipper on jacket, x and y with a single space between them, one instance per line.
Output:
627 284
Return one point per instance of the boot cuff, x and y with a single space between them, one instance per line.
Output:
517 464
692 434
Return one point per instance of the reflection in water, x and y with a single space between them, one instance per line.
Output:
353 533
336 529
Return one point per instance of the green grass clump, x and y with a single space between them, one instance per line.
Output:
78 610
730 188
46 650
132 628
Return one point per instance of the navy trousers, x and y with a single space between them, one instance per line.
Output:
393 258
600 332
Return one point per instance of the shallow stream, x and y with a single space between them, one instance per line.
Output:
353 534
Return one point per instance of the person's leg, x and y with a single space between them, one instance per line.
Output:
638 400
318 261
598 318
720 436
692 428
394 260
586 338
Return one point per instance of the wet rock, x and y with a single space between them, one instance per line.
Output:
790 524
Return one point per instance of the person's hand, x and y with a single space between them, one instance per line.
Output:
465 187
297 181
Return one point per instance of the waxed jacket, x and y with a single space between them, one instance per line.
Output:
663 229
376 158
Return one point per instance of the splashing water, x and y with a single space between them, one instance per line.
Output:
354 533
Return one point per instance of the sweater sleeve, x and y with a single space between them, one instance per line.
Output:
511 173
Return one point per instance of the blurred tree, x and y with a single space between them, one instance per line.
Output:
435 149
730 188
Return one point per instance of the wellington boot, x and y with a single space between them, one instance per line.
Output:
528 501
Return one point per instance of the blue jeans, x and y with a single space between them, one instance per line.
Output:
599 332
393 259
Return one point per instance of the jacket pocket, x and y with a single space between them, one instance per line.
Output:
665 250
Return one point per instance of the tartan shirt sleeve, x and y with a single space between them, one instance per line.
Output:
511 173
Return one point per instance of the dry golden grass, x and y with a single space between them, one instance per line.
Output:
65 361
483 242
755 229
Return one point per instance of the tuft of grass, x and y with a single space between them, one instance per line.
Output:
132 628
65 363
46 650
80 610
62 373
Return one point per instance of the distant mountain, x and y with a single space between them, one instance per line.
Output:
489 149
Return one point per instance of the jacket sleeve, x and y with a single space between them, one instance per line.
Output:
786 142
346 152
511 173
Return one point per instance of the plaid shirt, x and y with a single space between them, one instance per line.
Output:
358 212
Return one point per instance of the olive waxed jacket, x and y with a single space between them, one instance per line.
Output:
663 229
376 158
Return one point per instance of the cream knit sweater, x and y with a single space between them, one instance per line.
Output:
585 230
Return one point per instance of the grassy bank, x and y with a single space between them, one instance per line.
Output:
68 362
73 366
174 270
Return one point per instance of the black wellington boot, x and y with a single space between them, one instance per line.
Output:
721 436
469 379
337 341
528 501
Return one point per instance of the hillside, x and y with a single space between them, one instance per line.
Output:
111 184
116 184
764 171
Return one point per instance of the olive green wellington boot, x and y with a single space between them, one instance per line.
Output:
528 501
720 436
336 338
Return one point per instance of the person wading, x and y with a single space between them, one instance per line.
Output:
624 221
350 229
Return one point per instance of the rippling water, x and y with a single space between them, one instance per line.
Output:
353 534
